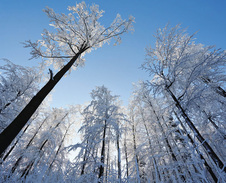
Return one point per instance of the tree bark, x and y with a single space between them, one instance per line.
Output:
9 134
14 145
126 156
135 153
119 160
101 169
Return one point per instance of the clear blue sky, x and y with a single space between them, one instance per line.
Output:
116 67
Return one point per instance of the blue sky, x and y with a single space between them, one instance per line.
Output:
116 67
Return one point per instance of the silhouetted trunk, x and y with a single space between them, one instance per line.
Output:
119 160
9 134
14 145
101 169
126 156
204 143
108 160
84 158
135 153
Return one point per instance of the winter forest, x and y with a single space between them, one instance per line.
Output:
173 130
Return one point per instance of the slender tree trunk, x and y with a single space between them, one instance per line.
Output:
204 143
84 159
9 134
101 169
135 153
119 160
199 153
126 155
108 160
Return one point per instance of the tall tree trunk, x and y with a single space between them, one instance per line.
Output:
101 169
85 158
14 145
108 161
9 134
204 143
119 160
135 152
126 156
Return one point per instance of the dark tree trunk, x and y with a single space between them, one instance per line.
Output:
135 152
14 145
101 169
108 161
29 143
119 160
204 143
85 158
9 134
126 156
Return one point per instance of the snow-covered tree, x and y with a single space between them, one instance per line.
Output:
100 127
17 86
179 69
73 36
40 153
